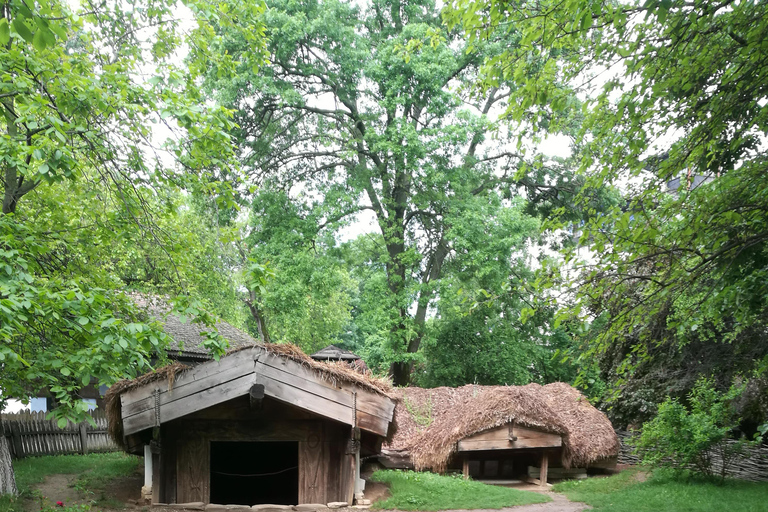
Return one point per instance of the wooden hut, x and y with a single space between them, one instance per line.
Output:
265 424
501 433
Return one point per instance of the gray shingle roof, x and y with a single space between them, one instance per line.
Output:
187 340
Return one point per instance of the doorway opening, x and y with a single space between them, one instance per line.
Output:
251 473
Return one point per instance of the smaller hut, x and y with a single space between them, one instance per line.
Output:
265 424
501 432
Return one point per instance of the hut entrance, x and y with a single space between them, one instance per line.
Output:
250 473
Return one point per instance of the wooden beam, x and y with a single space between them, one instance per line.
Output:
465 468
499 439
544 468
256 396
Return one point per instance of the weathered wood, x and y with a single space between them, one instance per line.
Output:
313 458
199 378
18 448
167 465
283 379
499 439
544 468
157 478
193 471
558 473
256 396
465 468
190 403
305 400
83 438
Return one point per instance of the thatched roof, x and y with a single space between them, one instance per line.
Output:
432 421
336 371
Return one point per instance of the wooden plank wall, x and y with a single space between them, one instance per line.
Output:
326 473
215 382
30 434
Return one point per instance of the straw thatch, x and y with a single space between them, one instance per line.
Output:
432 421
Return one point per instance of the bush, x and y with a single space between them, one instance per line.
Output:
683 437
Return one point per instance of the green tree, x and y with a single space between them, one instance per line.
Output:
306 301
680 97
363 110
80 89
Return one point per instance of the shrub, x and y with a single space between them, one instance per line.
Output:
692 437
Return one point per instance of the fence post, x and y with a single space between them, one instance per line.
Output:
83 438
18 448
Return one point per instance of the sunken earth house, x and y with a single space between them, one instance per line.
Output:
266 424
501 433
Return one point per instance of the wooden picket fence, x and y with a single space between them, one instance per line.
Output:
30 434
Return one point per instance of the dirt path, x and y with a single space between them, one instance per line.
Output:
121 491
55 488
559 503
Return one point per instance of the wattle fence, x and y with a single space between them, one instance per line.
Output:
754 466
30 434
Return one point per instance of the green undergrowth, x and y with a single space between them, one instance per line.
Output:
426 491
95 470
668 491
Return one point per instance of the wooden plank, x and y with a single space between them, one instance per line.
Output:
499 439
168 465
558 473
465 468
544 468
294 373
192 381
304 380
372 423
313 473
189 404
193 464
305 400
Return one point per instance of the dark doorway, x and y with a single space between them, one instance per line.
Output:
255 473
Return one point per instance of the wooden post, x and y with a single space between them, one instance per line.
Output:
18 449
544 468
466 468
83 438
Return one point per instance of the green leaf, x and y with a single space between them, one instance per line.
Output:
21 28
5 31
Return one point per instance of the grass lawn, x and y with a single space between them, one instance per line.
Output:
95 471
427 491
664 491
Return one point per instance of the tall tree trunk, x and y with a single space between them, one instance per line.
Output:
7 476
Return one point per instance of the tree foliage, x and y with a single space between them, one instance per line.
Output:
365 110
674 92
88 190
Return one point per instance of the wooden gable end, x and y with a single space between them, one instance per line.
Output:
284 379
509 437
